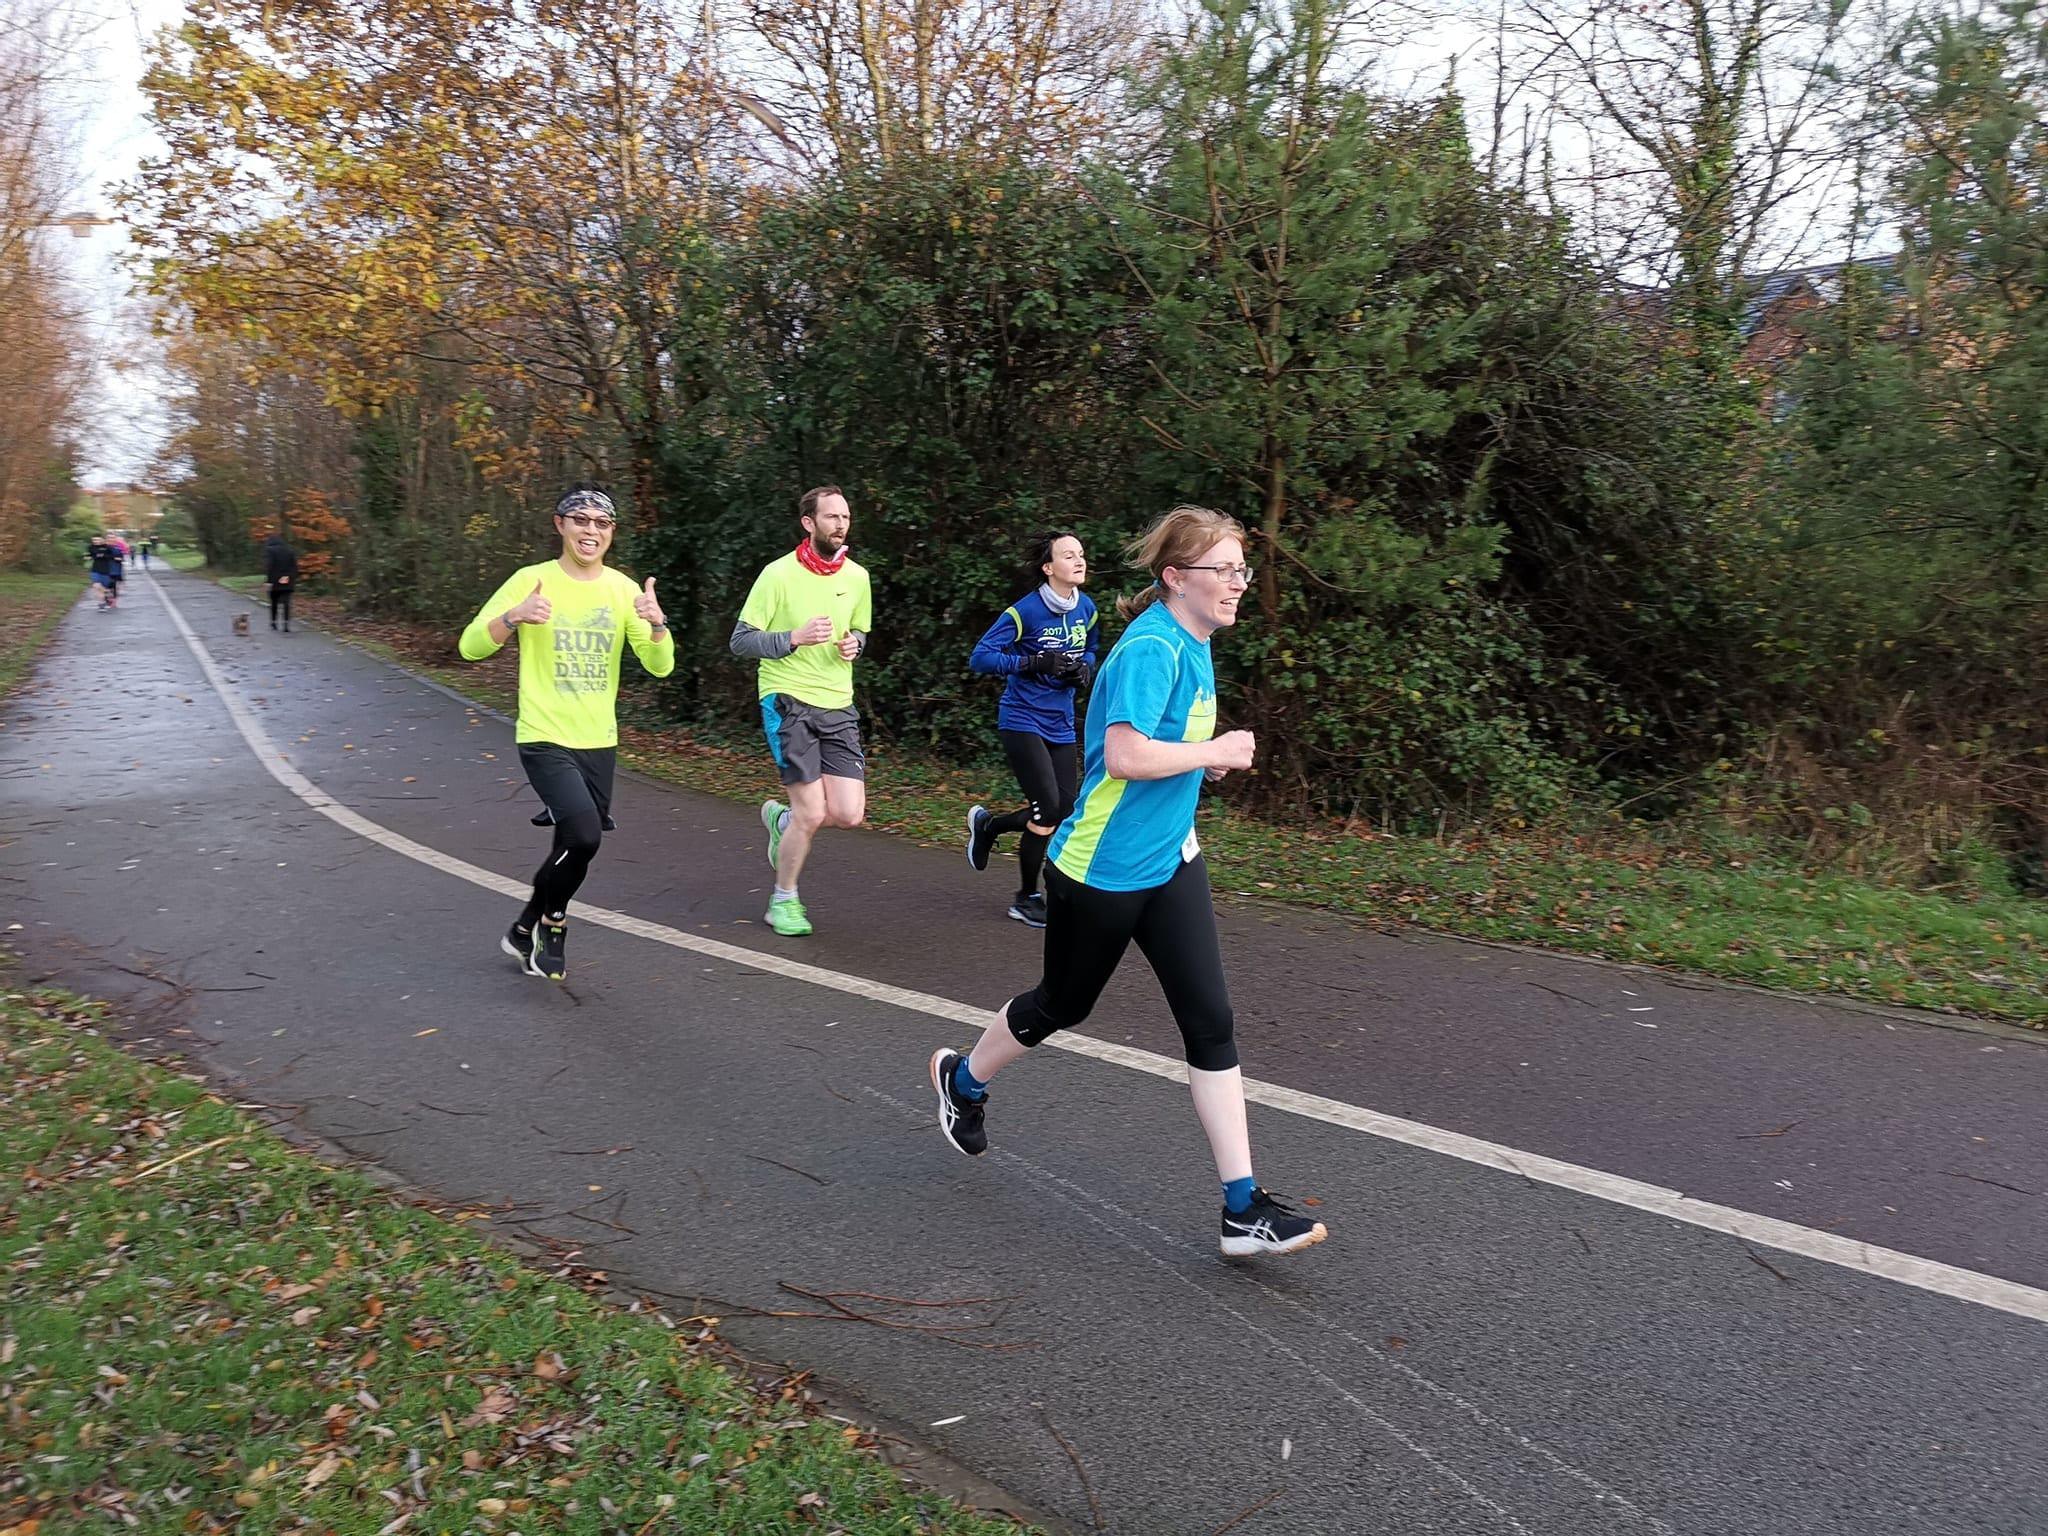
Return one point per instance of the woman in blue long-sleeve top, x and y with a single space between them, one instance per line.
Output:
1044 644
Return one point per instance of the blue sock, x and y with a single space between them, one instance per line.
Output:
970 1086
1237 1195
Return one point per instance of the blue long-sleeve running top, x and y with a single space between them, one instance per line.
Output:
1041 705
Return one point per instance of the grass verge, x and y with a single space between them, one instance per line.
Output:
1737 909
206 1330
30 606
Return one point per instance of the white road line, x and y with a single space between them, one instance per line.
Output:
1886 1263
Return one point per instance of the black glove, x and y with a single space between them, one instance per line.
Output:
1043 663
1073 668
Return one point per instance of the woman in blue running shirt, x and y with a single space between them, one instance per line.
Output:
1126 866
1044 643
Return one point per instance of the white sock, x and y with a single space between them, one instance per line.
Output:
782 822
782 895
1219 1105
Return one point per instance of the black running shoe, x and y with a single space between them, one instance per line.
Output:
518 943
545 817
551 949
1267 1226
980 841
960 1118
1029 910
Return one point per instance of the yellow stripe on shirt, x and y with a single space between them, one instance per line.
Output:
1078 852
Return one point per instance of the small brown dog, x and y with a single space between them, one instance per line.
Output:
241 624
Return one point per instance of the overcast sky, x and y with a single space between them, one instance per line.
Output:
127 422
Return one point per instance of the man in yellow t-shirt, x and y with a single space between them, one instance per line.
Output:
574 616
806 622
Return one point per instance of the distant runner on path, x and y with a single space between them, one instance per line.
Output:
106 570
575 616
1044 644
1126 865
806 621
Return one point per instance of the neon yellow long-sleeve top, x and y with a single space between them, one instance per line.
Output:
569 667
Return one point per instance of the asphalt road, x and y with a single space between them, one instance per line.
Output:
1471 1351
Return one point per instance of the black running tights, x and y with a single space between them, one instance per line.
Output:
1048 772
1086 933
577 787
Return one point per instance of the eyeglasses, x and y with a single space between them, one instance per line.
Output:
1235 575
587 520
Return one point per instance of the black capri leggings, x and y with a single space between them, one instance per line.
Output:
575 784
1086 933
1048 773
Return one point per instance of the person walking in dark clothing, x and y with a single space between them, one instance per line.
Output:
281 570
106 571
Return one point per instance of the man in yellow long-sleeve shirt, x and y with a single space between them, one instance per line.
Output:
574 616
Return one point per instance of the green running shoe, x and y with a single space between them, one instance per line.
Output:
771 818
787 918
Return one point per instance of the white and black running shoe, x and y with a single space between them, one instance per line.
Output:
980 841
1267 1226
960 1118
518 942
1029 910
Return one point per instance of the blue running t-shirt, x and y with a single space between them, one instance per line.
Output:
1130 835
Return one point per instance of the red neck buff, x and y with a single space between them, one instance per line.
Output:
817 564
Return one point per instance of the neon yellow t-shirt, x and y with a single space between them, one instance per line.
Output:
785 597
569 667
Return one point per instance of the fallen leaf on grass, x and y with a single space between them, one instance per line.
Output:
327 1467
496 1407
304 1316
